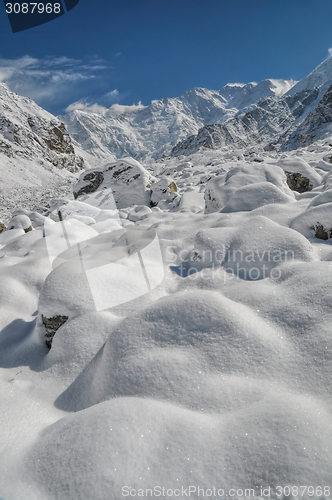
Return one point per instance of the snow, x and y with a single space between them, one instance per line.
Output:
320 78
195 342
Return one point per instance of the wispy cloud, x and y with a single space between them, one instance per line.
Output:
100 107
85 106
330 52
47 80
114 111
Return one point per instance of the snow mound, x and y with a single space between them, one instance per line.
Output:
315 221
77 342
220 189
322 198
255 195
140 360
244 255
100 441
20 222
298 165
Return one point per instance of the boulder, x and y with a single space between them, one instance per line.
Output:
126 179
220 189
52 325
298 182
163 191
20 222
316 221
304 177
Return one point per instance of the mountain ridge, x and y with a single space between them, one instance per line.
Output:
150 132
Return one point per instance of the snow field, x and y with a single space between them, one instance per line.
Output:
216 377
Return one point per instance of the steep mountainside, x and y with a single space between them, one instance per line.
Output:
36 151
275 122
319 78
261 123
317 124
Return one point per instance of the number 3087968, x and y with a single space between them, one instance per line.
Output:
30 8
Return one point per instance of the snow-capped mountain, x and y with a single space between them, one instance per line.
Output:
145 132
268 112
319 78
261 123
36 151
283 121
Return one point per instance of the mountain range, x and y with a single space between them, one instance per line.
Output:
278 114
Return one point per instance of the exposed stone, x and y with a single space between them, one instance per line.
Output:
162 191
298 182
51 327
93 181
2 226
321 232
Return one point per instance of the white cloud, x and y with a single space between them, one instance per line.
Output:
330 52
48 79
119 109
114 94
84 106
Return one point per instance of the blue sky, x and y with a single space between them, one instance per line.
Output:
127 51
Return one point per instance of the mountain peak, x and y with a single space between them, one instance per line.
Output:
320 77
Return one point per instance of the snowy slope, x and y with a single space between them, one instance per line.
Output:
320 78
264 123
316 125
36 152
152 131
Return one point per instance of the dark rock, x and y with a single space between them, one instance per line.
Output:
94 180
297 182
51 326
322 233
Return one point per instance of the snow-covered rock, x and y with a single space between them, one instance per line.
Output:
315 221
255 195
20 222
162 191
126 181
220 189
138 212
244 255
